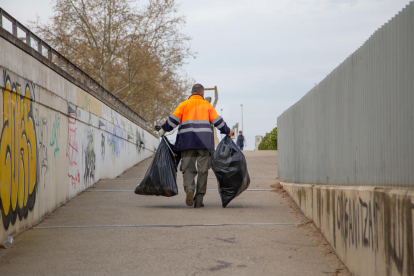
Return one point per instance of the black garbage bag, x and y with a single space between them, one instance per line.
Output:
161 176
230 167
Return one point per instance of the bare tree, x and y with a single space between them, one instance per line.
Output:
136 53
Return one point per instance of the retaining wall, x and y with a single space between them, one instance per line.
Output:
371 229
56 138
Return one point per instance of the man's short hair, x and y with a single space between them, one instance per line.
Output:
240 131
197 89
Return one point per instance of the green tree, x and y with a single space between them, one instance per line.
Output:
269 142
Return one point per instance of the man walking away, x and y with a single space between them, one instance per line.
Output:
241 142
194 139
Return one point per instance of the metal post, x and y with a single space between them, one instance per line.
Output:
221 134
1 18
59 60
215 95
242 116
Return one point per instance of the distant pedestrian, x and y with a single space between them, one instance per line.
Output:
241 142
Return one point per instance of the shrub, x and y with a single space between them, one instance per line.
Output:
269 142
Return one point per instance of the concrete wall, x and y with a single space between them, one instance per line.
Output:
56 140
356 126
370 228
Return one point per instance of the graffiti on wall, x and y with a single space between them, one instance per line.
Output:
139 140
355 220
55 134
42 132
115 143
102 145
358 223
89 103
130 129
72 150
18 152
398 235
90 158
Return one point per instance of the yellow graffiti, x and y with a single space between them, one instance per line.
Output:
89 103
18 154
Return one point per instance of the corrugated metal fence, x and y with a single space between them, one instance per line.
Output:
357 126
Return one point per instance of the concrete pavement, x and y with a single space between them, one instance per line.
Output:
108 230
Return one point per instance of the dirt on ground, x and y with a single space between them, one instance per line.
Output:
313 232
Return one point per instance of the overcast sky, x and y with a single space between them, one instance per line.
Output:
264 54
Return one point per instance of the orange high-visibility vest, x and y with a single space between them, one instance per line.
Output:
195 118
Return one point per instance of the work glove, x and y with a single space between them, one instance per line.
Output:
161 132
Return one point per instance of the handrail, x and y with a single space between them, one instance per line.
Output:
60 60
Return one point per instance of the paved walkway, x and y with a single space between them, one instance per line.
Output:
150 235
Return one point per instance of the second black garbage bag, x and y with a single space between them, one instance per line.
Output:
161 176
230 167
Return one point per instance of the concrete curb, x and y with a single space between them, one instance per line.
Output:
370 228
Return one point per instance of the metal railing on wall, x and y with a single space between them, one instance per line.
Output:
71 69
